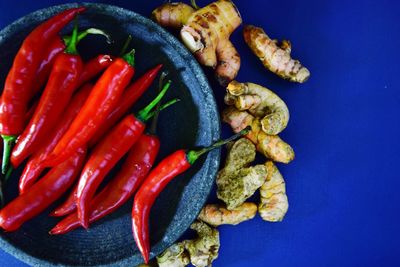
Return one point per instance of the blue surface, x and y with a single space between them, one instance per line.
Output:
343 187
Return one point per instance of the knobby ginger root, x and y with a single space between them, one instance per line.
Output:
237 181
174 256
172 15
206 33
260 102
204 249
271 146
217 214
274 202
275 58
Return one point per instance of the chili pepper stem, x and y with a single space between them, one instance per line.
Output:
83 34
193 155
194 4
162 107
130 57
144 114
126 44
9 141
153 127
71 46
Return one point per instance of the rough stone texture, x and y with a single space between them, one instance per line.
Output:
192 122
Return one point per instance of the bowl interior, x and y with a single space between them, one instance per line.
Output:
192 122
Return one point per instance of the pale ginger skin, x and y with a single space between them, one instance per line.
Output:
206 33
273 199
275 58
172 15
174 256
204 249
271 146
218 214
260 102
237 181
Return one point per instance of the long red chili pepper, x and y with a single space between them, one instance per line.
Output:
51 187
107 153
137 165
69 204
35 166
102 100
170 167
18 86
94 67
63 81
128 99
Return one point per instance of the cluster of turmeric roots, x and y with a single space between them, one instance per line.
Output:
206 32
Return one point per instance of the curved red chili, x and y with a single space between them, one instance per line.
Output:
35 166
42 194
102 100
128 99
108 152
140 159
93 67
169 168
18 86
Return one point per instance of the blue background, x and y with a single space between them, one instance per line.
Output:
343 186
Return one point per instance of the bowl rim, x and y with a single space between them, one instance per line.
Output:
215 130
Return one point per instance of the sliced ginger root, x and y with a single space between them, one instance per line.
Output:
218 214
206 32
237 181
271 146
274 202
275 57
260 102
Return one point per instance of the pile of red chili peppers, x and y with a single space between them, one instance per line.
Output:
78 130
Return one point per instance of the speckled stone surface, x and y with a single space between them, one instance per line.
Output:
193 122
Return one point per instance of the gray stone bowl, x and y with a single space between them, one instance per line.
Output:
193 122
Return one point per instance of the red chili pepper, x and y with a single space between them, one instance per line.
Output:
128 99
63 81
35 166
102 100
51 187
18 86
169 168
93 67
137 165
108 152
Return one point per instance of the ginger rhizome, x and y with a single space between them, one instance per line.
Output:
206 32
174 256
238 181
260 102
271 146
273 200
275 57
218 214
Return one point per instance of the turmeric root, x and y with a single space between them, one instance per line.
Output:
260 102
275 58
172 15
174 256
272 146
237 181
274 202
216 214
204 249
206 33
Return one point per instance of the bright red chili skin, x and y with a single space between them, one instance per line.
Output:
128 99
62 83
103 158
18 86
93 67
159 177
68 206
56 47
101 101
140 159
34 166
51 187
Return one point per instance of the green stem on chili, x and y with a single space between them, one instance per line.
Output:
9 141
130 57
126 44
144 113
